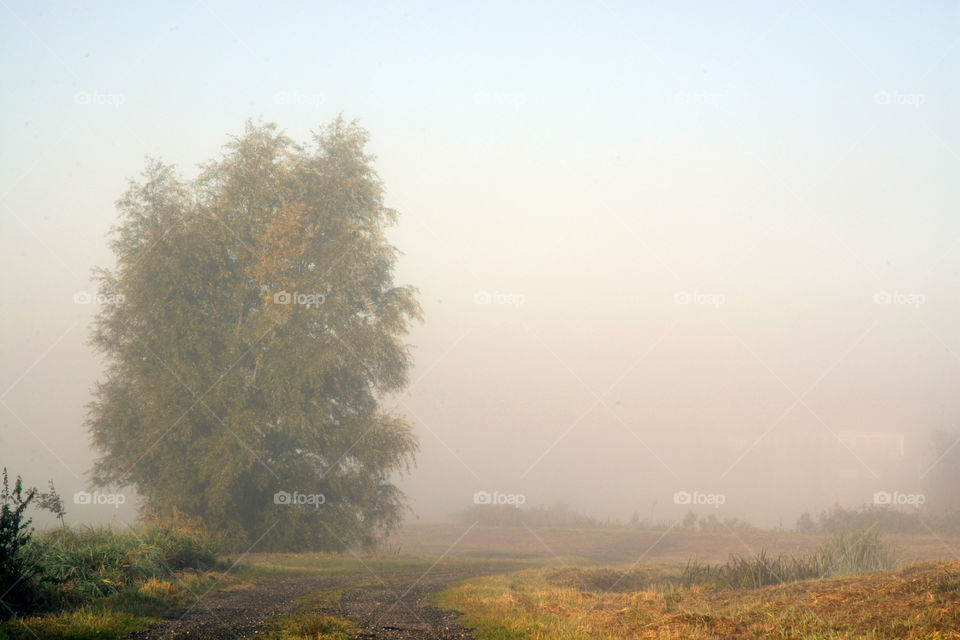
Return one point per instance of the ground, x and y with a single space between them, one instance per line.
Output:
393 606
462 581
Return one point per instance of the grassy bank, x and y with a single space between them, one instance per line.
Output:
721 601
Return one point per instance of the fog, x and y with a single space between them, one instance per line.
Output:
663 250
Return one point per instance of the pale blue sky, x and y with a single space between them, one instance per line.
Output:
796 157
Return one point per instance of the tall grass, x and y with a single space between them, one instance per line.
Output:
77 566
844 553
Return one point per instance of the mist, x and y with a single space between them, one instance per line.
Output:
665 253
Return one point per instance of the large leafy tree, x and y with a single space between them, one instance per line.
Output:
251 334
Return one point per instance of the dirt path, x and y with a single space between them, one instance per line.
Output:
389 607
397 608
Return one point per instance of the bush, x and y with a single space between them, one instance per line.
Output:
882 518
16 573
557 515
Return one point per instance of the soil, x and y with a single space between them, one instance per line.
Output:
389 607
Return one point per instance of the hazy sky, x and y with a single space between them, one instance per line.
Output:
593 167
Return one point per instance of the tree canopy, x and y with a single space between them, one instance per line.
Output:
252 333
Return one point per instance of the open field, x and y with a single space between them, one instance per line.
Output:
615 545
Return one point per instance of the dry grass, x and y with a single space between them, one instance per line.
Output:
922 601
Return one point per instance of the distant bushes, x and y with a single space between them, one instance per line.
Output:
557 515
713 524
844 553
880 518
562 516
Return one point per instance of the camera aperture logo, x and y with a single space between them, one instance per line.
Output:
694 498
299 499
497 498
307 300
97 498
897 499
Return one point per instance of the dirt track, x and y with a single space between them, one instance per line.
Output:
391 606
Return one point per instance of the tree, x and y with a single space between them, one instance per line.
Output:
52 502
252 332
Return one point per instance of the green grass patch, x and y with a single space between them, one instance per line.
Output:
82 624
307 623
117 615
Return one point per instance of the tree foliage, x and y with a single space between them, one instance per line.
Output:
253 332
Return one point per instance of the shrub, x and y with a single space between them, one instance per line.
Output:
16 573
